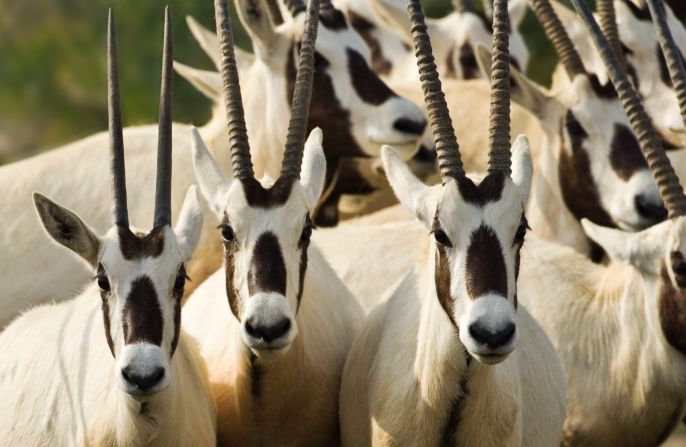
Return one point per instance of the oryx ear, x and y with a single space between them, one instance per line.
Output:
214 186
524 91
517 11
313 172
395 16
255 17
208 82
206 39
411 192
189 226
641 250
68 229
522 166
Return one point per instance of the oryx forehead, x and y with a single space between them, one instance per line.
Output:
260 209
139 250
335 42
492 200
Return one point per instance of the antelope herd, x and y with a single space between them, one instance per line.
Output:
540 303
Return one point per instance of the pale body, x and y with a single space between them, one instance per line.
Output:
299 389
59 387
519 402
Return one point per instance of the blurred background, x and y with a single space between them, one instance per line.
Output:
52 66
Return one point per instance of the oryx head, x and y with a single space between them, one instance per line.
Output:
384 26
265 228
630 32
141 276
659 252
603 175
478 228
357 111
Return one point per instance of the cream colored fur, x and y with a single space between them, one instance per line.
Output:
58 386
299 390
404 371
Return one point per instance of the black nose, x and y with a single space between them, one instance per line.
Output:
268 332
425 155
144 382
492 339
650 209
413 127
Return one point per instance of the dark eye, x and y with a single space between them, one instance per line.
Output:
306 234
442 238
180 281
227 233
103 282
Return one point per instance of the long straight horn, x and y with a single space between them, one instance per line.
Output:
558 36
120 213
164 137
300 108
608 23
667 181
233 102
675 63
448 150
499 125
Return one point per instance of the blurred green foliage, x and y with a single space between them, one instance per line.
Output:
52 66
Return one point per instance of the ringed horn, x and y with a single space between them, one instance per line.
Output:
667 180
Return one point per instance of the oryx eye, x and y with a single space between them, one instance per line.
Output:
103 282
574 128
180 281
442 238
306 233
227 233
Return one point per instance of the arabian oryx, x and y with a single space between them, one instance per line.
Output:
112 367
436 364
631 34
276 323
384 27
357 118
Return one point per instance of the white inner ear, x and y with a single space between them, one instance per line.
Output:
313 172
616 243
209 83
411 192
213 184
206 39
255 18
522 167
189 227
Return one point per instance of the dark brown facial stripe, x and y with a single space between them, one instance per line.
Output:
267 272
142 316
230 249
365 28
177 295
134 246
105 296
485 266
367 84
626 156
326 111
333 19
470 68
489 190
303 271
442 279
579 190
672 311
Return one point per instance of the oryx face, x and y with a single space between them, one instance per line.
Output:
266 233
357 111
478 229
141 279
603 173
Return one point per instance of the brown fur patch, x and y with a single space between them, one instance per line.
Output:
367 84
140 246
672 312
626 156
142 316
489 190
260 197
442 279
267 272
230 249
485 265
365 28
579 190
